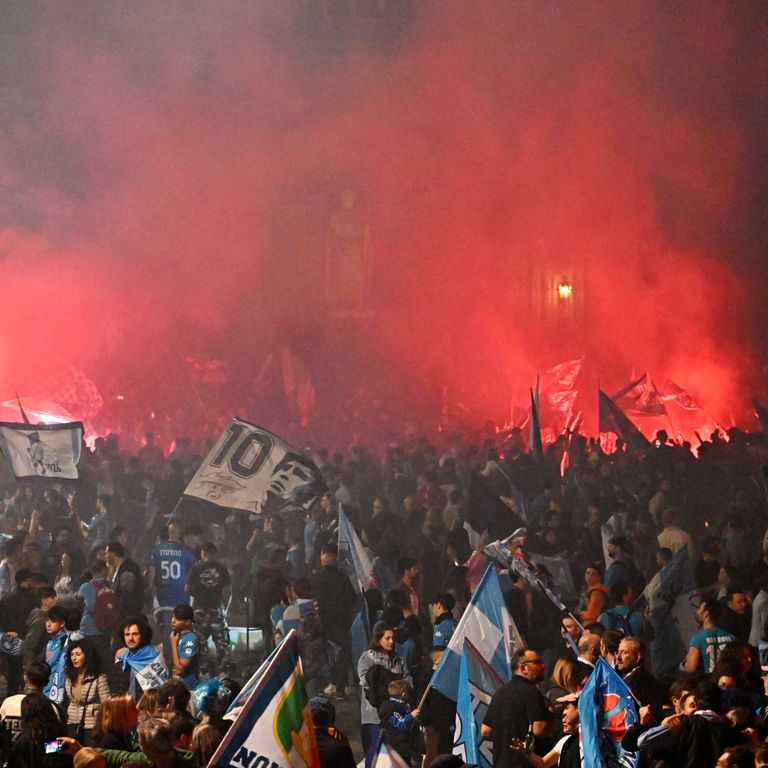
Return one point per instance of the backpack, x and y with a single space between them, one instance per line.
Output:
106 611
377 679
619 623
133 601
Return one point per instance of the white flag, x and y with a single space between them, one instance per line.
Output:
274 726
353 559
48 451
249 465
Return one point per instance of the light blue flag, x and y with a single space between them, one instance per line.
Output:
477 684
353 559
147 665
606 709
487 624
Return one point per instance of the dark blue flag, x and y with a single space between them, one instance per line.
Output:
613 419
606 709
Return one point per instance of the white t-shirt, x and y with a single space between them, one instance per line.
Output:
558 748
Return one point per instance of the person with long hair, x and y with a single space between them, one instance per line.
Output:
39 726
66 582
86 688
736 673
147 705
116 723
206 737
563 680
377 666
88 757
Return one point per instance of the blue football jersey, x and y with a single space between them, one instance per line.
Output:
172 562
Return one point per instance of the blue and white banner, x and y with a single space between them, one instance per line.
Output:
499 552
559 569
44 451
249 466
477 684
353 559
274 726
11 645
148 665
606 710
486 622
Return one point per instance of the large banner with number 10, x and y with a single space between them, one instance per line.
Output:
249 466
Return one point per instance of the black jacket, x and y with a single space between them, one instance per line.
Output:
646 689
703 737
334 752
336 599
15 608
129 592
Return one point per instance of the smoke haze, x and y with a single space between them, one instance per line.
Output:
169 172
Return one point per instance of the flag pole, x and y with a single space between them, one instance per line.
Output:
175 510
21 408
424 696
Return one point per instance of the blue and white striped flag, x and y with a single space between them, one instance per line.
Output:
486 622
477 684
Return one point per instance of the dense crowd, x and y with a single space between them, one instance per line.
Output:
115 604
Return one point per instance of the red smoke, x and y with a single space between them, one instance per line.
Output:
170 171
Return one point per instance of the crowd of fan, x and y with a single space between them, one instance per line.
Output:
67 550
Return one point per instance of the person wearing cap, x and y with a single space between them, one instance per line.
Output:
515 707
332 745
565 753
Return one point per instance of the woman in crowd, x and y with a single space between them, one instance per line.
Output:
66 583
116 723
89 758
205 739
86 690
376 667
147 704
562 682
39 726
